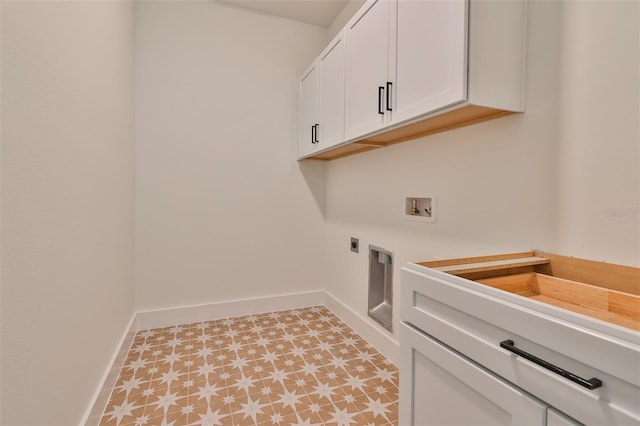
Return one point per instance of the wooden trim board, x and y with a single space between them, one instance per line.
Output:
493 265
464 260
601 290
603 274
342 151
510 266
458 117
597 302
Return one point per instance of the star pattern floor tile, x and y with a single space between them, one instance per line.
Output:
295 367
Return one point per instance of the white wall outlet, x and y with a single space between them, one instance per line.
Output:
420 209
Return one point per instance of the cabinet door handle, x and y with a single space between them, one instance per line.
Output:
380 94
389 84
315 137
592 383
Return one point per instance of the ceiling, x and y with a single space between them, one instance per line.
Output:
317 12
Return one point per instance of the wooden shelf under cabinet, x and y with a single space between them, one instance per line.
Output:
464 116
600 290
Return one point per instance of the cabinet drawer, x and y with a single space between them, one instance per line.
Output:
436 382
473 320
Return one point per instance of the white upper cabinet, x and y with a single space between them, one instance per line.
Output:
309 111
417 67
405 58
331 64
368 54
431 57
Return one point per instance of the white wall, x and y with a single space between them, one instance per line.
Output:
343 17
223 210
67 203
538 180
598 193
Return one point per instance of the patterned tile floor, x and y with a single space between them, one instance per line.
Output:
296 367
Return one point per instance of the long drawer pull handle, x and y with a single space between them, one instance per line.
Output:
592 383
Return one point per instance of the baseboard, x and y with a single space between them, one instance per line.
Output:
233 308
380 339
108 381
368 330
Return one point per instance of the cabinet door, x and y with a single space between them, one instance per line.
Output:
440 387
556 418
367 36
308 111
431 56
331 64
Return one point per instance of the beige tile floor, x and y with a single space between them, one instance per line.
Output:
296 367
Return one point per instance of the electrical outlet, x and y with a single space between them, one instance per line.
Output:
355 245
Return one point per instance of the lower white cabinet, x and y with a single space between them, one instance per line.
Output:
556 418
472 354
440 387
